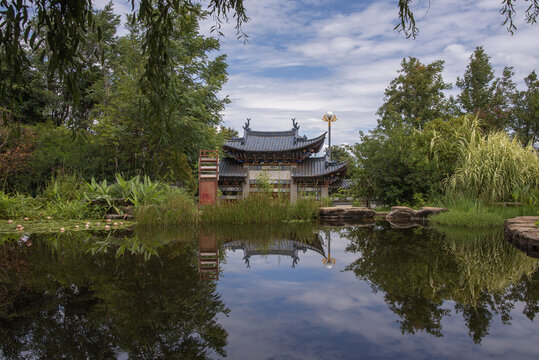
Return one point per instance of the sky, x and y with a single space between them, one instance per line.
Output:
306 57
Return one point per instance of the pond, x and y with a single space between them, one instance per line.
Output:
279 292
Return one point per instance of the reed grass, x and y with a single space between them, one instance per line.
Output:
491 167
65 197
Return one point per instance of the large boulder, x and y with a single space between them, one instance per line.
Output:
523 234
401 214
342 213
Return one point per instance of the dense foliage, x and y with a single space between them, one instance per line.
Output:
478 145
111 128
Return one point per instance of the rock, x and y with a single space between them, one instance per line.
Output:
406 224
427 211
330 211
523 234
401 214
342 213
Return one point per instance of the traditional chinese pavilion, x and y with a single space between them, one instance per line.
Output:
286 159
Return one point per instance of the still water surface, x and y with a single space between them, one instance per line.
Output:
281 292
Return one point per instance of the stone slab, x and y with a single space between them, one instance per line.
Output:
348 213
523 234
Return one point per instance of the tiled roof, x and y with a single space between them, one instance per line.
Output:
230 168
317 166
273 141
342 184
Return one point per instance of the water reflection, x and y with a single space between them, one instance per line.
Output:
208 256
328 260
279 247
185 293
59 301
420 270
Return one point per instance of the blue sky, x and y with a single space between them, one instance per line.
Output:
304 58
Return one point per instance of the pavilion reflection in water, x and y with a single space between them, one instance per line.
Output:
208 253
208 257
281 247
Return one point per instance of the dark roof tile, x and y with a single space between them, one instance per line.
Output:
231 168
317 166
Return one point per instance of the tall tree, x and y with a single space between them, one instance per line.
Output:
483 94
416 95
144 143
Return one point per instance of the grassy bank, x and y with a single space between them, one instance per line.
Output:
261 209
468 213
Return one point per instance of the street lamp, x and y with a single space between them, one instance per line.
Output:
329 117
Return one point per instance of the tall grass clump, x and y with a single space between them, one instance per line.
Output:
491 167
172 206
260 208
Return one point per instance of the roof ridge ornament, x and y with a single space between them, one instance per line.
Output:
295 124
247 124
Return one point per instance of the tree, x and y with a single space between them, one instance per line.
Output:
416 95
394 159
145 143
340 153
484 95
408 26
394 164
227 132
525 119
62 27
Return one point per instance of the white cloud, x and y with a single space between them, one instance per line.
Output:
361 53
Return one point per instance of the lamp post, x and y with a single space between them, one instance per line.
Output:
329 117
